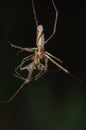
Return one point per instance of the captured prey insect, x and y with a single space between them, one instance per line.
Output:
39 58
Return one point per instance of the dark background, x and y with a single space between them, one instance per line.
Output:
56 101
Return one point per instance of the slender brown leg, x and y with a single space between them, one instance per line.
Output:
58 65
23 49
34 12
55 23
54 57
13 96
42 72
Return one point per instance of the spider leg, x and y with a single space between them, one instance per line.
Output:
20 51
22 62
18 47
58 65
38 74
55 23
27 58
54 57
16 70
27 80
65 70
13 96
23 49
34 12
19 67
42 72
19 77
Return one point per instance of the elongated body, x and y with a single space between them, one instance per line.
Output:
40 36
39 52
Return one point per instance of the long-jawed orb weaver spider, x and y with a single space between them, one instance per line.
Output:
39 58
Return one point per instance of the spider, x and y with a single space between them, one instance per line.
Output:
39 58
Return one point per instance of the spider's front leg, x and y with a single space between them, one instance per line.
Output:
24 49
55 23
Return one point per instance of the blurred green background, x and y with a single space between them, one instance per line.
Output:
56 101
